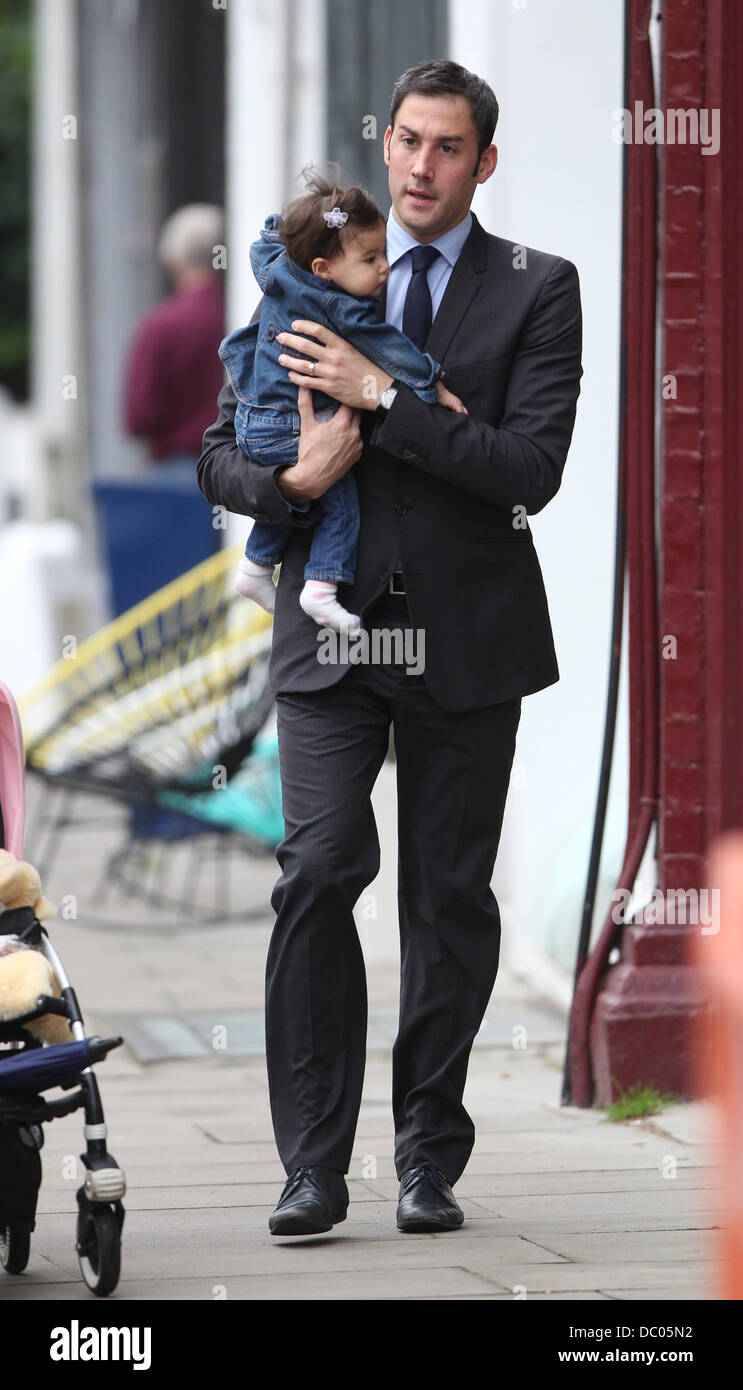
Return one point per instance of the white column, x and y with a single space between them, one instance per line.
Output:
478 39
309 133
255 144
56 299
43 573
275 125
275 122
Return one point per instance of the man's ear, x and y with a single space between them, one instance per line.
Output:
321 266
488 161
387 138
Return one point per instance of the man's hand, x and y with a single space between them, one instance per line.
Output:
326 451
333 365
451 401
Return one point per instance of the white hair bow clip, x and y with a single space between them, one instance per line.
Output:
336 217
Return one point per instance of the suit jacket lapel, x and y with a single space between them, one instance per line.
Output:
464 283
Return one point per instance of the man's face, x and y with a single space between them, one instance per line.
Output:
433 163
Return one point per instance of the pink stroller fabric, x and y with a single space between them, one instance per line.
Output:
12 799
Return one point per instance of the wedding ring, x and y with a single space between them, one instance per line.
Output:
311 368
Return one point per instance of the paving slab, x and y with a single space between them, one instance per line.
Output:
571 1276
691 1294
626 1247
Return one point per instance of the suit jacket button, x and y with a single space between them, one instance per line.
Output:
401 508
409 454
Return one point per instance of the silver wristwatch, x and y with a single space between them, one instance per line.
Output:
387 396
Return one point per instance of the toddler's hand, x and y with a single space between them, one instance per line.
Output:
451 401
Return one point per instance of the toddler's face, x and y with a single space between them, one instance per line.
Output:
362 269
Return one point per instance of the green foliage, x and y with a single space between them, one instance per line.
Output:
637 1102
15 182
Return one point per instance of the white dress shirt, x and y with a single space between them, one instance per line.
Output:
399 242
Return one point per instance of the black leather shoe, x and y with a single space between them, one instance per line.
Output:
314 1199
427 1202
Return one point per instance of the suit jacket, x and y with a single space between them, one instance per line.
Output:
448 494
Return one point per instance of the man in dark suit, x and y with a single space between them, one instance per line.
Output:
445 554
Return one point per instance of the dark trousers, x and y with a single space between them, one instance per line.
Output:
452 778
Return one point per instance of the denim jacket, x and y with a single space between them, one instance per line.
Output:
251 354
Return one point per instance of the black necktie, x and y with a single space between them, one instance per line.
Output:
417 313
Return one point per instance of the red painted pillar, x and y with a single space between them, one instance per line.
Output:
722 525
644 1025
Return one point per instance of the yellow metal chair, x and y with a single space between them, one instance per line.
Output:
167 709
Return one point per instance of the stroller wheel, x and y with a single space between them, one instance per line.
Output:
99 1248
15 1248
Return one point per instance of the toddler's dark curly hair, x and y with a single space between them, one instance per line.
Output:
302 227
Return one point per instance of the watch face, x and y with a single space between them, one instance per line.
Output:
387 396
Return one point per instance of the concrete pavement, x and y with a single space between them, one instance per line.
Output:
559 1204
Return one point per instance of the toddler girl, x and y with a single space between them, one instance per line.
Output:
323 260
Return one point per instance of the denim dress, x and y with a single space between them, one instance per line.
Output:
267 419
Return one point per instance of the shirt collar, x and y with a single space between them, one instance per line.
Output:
449 244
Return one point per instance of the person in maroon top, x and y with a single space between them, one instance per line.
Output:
154 526
173 372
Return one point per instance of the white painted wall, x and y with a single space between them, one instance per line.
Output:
556 67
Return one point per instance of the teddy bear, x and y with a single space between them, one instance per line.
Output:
25 972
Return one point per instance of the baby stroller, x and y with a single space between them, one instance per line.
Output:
28 1067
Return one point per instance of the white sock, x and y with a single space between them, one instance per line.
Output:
318 599
256 582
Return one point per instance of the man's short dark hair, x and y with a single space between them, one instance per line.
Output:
439 78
